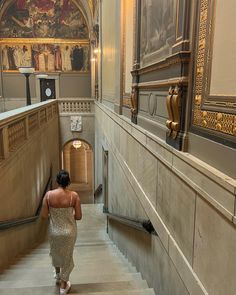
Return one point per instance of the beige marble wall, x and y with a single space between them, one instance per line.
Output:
70 85
190 204
86 134
110 50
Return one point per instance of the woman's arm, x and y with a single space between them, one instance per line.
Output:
45 212
77 207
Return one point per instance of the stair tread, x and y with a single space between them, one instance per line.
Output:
123 292
80 288
83 279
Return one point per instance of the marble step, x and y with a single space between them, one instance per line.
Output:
90 268
122 292
79 288
22 264
81 279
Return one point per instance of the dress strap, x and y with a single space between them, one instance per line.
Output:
71 199
48 201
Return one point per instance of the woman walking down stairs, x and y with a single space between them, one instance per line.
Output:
100 268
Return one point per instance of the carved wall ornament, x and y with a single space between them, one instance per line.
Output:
173 103
134 104
76 123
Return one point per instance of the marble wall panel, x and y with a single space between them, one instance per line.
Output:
122 198
214 251
176 205
19 88
75 85
111 49
124 144
147 173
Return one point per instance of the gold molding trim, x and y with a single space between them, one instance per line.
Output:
210 119
43 41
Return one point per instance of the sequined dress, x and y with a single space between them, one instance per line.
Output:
62 237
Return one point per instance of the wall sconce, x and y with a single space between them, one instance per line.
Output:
93 59
96 50
27 71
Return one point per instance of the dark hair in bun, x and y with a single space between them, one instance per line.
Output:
63 178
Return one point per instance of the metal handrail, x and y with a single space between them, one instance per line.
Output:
4 225
144 225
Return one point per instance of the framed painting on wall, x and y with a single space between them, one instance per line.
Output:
158 30
49 56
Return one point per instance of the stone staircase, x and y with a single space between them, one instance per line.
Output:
100 268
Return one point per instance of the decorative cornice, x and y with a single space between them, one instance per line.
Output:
163 83
178 58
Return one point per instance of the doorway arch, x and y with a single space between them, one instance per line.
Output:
77 159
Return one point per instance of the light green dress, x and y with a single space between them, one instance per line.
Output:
62 237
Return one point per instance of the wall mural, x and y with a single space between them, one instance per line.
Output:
43 19
158 26
46 57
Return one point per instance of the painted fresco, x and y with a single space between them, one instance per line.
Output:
43 19
46 57
158 25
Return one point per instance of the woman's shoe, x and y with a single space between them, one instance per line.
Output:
66 290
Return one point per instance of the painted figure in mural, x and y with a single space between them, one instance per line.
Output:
86 59
11 60
26 57
5 62
35 57
43 18
77 58
66 59
49 58
45 59
26 25
44 27
58 59
17 56
20 4
45 6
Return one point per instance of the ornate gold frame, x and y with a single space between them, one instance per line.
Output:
43 41
210 113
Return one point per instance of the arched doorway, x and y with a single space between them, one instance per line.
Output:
77 159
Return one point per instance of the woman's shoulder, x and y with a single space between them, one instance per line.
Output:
74 194
75 197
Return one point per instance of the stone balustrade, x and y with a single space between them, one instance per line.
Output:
76 105
18 125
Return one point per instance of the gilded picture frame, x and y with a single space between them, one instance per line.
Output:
211 114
